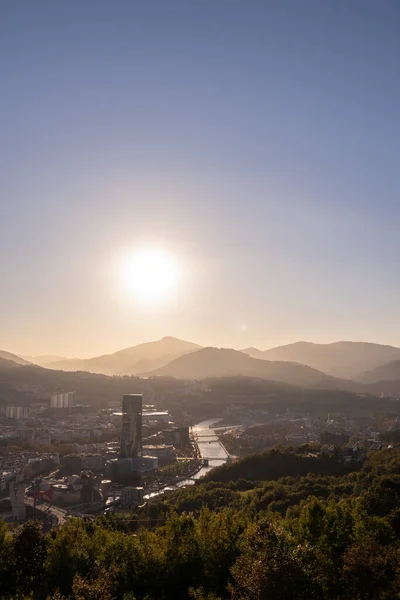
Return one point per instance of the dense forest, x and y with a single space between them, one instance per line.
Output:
321 534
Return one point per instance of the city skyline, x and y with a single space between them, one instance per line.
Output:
255 146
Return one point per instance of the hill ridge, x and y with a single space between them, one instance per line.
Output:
343 359
223 362
128 361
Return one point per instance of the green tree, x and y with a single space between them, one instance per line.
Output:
28 550
200 594
100 587
182 555
273 567
219 534
371 571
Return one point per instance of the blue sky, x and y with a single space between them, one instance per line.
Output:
255 141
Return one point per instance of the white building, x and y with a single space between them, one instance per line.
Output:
62 400
17 412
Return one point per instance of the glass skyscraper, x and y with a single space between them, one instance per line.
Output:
131 434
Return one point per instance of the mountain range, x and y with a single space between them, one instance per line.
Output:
24 384
14 358
302 363
340 359
387 372
130 361
44 360
223 362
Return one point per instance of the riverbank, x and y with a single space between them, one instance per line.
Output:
208 447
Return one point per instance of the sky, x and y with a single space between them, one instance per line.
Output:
253 143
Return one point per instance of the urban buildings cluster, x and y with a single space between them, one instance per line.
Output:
92 456
108 451
16 468
295 429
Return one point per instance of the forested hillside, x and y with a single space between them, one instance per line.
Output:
318 536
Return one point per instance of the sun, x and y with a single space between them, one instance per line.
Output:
150 275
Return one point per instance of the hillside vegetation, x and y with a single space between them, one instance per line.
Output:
307 537
387 372
24 384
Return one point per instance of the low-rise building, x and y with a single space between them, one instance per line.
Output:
92 462
157 416
333 437
150 462
178 436
162 452
132 496
327 449
376 446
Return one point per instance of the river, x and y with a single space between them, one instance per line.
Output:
209 446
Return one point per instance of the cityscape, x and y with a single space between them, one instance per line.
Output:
199 300
92 474
61 459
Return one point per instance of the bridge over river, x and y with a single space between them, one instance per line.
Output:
210 448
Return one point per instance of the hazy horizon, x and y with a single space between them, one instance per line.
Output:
204 345
220 170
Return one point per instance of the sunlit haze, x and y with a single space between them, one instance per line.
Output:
149 276
223 172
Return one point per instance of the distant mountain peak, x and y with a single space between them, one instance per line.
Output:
14 358
130 361
253 352
340 359
226 362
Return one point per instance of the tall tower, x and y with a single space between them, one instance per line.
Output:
131 434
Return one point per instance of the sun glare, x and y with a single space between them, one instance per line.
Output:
150 275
